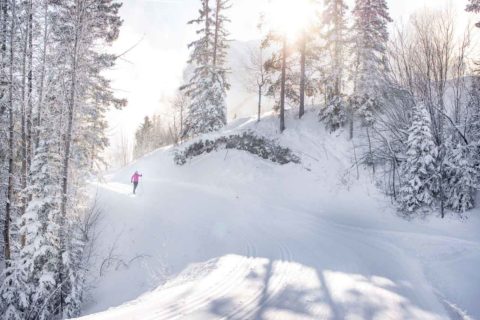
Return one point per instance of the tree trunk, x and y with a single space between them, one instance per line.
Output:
302 76
370 151
282 90
259 103
215 42
350 123
8 212
4 80
30 85
338 49
24 174
441 186
66 158
41 89
181 121
394 162
207 27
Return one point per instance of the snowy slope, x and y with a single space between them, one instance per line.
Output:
231 236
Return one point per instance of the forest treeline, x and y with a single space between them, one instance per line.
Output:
407 95
53 102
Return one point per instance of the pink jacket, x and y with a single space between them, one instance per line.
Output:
136 176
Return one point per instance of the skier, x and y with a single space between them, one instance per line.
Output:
135 178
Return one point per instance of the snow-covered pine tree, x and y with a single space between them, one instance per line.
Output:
99 98
420 177
4 134
142 138
208 85
220 40
74 263
39 256
9 18
370 36
289 71
52 59
462 161
152 134
273 69
369 40
462 177
334 114
308 52
79 28
474 6
472 110
14 300
335 26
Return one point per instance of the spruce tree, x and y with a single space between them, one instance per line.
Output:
220 40
53 103
334 113
462 177
462 164
420 168
370 37
79 28
14 299
208 85
335 34
474 6
39 257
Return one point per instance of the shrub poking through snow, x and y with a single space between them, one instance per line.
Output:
247 141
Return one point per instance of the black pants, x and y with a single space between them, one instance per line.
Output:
135 185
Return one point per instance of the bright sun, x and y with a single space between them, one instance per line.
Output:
290 17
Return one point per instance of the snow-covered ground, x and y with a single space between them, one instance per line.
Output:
232 236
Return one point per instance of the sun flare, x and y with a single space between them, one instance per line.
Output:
290 17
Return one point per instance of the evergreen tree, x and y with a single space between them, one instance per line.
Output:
370 37
474 6
208 84
56 104
273 69
143 137
420 168
39 256
334 113
462 176
221 42
335 34
472 111
152 134
79 28
14 293
462 164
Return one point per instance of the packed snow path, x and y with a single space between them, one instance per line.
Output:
231 236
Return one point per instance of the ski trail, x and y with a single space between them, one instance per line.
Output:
241 238
226 291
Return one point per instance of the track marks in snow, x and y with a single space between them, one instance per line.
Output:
260 241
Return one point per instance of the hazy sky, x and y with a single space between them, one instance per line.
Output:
149 74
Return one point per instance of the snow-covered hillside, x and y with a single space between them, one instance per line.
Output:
232 236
